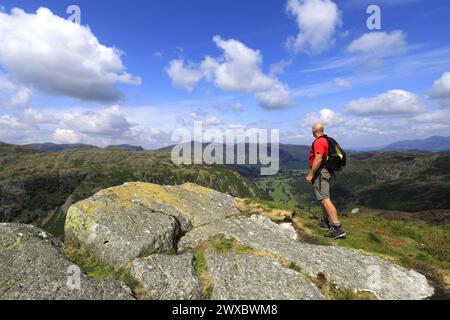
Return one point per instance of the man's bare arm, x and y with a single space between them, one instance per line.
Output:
315 167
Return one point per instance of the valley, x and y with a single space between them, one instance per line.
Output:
404 209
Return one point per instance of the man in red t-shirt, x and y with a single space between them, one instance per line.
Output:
320 178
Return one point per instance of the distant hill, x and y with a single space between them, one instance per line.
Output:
433 144
126 147
400 181
291 156
52 147
37 187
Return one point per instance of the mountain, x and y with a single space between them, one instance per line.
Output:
433 144
52 147
126 147
291 156
38 187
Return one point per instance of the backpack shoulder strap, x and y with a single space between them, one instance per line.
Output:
314 143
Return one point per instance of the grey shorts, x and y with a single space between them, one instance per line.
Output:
321 183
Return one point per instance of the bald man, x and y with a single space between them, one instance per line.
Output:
320 178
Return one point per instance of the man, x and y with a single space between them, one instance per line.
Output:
320 178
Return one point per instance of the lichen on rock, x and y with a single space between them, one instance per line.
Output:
135 224
33 267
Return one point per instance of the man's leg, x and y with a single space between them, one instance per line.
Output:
336 231
324 222
330 210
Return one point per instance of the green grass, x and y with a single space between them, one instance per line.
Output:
418 245
414 244
279 190
219 243
94 268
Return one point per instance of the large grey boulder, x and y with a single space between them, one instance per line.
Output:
136 220
165 277
346 268
247 277
33 267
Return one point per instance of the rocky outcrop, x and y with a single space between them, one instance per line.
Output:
33 267
136 220
167 277
248 277
343 267
137 223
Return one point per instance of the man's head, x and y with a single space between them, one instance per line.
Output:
318 129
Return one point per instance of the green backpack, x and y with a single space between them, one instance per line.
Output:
337 157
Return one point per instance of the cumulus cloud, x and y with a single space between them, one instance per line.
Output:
380 43
106 122
48 53
436 117
317 21
441 90
238 70
328 117
182 76
37 117
12 129
12 94
393 102
65 136
199 115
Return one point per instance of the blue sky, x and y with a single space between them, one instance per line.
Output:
135 70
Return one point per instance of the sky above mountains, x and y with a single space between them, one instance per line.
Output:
133 71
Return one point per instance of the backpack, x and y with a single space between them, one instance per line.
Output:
337 157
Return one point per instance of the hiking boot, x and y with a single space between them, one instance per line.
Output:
324 224
336 233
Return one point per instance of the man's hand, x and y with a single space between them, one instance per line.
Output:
309 178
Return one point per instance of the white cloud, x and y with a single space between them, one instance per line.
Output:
65 136
317 21
237 107
12 129
238 70
279 67
436 116
21 97
106 122
441 87
59 57
393 102
441 90
184 77
199 115
36 117
328 117
211 121
343 84
12 94
380 43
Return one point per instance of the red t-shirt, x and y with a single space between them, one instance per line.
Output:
321 147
